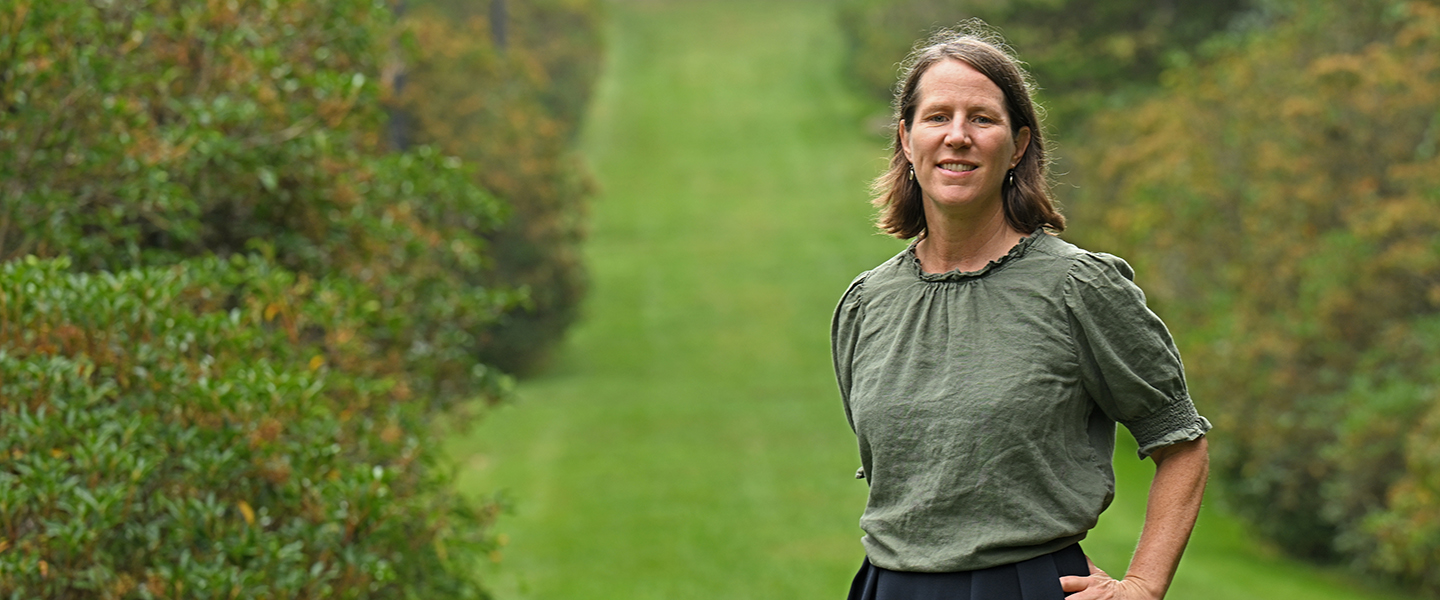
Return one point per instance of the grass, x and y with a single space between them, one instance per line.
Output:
689 442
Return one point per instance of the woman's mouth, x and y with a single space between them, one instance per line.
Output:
957 167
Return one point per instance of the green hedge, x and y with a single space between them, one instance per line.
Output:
1281 201
230 389
145 133
193 431
516 110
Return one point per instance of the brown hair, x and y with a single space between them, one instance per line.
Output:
1028 204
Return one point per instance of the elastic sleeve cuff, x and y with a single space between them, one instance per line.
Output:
1175 423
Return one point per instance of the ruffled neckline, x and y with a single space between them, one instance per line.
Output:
1015 253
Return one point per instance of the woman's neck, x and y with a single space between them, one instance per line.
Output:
965 245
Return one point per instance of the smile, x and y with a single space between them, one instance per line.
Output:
957 167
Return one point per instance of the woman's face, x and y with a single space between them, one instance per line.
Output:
960 141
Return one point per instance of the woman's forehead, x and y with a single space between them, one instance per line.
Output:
954 80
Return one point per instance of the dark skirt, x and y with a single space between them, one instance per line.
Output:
1034 579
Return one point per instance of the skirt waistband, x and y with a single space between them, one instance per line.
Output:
1034 579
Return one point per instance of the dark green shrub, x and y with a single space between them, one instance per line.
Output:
141 133
268 312
515 109
1284 198
209 430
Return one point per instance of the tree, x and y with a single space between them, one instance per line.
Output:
1282 203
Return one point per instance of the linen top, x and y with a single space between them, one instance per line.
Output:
985 402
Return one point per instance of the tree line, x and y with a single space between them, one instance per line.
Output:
1270 167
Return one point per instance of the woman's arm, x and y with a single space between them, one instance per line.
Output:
1175 493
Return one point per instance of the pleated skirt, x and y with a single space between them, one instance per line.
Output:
1034 579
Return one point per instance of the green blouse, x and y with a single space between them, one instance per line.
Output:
985 402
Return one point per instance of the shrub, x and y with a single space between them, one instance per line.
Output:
516 109
144 133
268 312
207 430
1283 196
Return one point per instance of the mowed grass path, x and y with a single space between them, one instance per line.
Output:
689 443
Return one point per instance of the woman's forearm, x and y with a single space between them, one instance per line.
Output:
1174 504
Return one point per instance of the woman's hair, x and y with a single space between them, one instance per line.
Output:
1028 205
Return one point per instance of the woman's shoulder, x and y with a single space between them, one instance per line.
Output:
1085 265
1093 281
890 269
877 280
855 289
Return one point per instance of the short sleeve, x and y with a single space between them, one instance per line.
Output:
1128 360
844 330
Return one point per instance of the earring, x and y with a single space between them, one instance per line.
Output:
1010 179
912 172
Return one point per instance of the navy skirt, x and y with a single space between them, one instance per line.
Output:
1034 579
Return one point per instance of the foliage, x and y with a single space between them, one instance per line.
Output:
516 109
141 133
180 420
1082 53
1284 197
206 430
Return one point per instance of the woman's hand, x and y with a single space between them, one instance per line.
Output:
1099 586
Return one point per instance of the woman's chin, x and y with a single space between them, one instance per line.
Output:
963 201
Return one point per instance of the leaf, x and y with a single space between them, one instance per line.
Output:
268 179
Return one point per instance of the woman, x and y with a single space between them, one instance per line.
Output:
984 368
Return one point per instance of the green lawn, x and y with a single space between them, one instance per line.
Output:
689 442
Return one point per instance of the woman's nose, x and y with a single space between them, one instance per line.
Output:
958 136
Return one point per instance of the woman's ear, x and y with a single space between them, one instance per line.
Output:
904 141
1022 142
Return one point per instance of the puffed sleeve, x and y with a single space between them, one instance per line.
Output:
844 330
1129 363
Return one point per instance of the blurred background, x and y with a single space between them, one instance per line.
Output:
529 299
